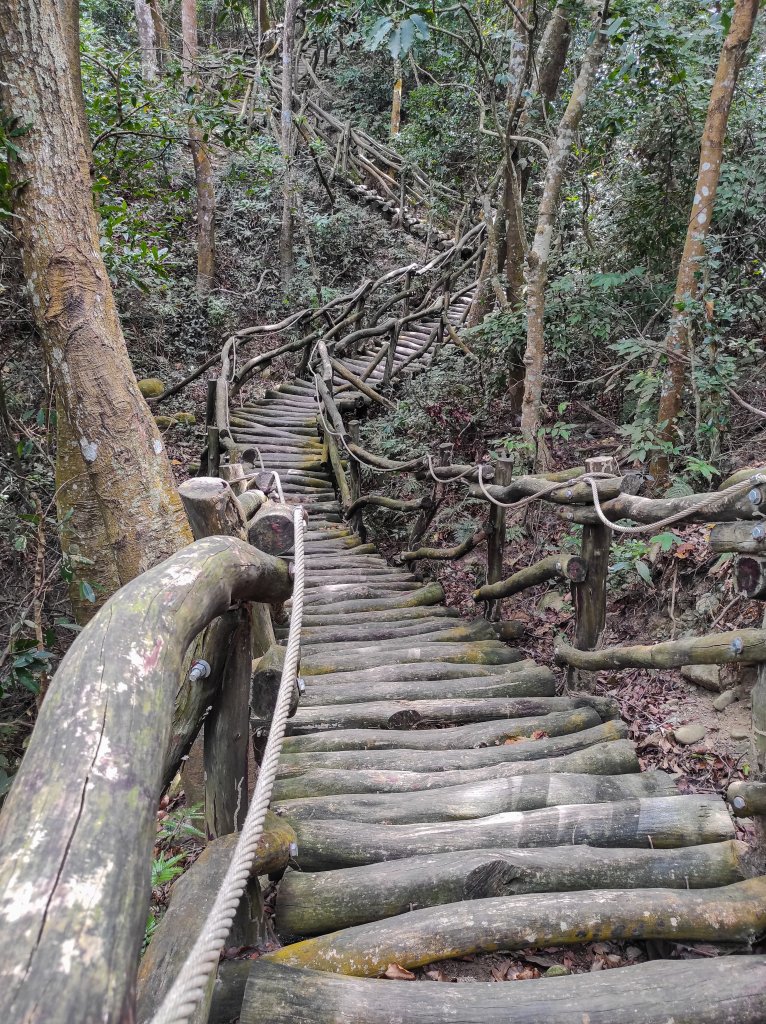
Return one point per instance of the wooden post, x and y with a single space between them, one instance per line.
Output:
213 451
425 517
355 474
408 289
393 338
496 541
589 597
213 510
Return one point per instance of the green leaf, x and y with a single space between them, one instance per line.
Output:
421 26
87 593
395 42
644 572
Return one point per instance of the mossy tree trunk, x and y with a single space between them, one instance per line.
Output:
123 457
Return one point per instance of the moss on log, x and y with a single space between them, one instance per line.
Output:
532 682
613 758
74 874
747 798
742 645
392 714
480 652
313 903
461 737
728 990
655 822
744 538
481 799
449 760
562 567
732 913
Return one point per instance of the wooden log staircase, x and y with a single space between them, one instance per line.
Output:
448 802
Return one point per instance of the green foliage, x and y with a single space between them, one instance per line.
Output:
635 555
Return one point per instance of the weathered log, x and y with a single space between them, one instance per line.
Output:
481 652
732 913
432 593
319 617
534 682
599 759
747 798
702 508
74 875
272 528
563 567
227 736
228 991
655 822
447 554
382 501
728 990
744 538
390 714
313 903
451 760
436 630
212 508
266 682
461 737
191 898
743 645
361 385
525 486
751 576
741 475
481 799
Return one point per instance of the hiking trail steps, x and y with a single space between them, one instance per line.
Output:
448 802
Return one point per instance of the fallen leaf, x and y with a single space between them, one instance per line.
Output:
526 974
398 973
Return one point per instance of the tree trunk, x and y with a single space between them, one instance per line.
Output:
687 288
286 142
537 259
396 99
123 455
84 541
161 38
203 170
146 40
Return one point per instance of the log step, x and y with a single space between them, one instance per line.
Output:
728 990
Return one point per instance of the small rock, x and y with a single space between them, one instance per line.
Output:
687 734
188 419
723 700
706 676
707 604
557 971
553 601
739 732
151 387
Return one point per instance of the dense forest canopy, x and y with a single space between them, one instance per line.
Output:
572 131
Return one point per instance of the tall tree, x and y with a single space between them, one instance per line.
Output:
161 37
396 98
677 339
146 39
286 141
124 463
203 168
536 271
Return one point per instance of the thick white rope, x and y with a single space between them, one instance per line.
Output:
190 984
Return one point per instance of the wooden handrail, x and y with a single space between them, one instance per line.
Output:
78 826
